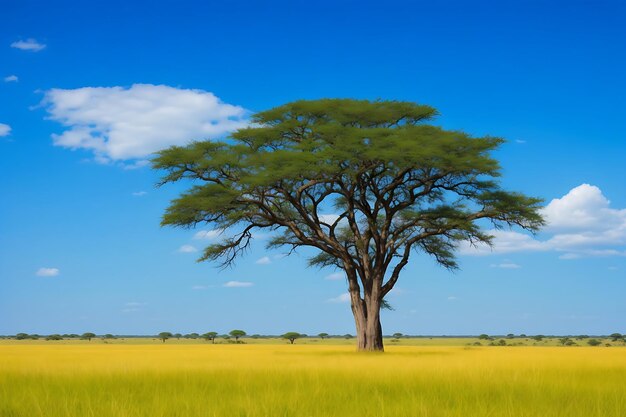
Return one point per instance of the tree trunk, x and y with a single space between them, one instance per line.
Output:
369 331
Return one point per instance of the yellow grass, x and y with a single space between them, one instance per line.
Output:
176 379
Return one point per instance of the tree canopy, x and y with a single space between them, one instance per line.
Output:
366 183
292 336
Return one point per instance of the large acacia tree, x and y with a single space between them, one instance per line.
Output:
365 183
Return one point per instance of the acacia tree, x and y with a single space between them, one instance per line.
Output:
88 336
292 336
237 334
210 336
164 336
366 183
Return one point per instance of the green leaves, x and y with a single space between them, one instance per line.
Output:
395 183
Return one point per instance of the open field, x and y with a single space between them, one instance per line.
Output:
149 378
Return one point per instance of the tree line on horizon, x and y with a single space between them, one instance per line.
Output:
235 336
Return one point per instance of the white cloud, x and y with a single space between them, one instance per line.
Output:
208 234
452 298
237 284
5 130
263 261
28 45
506 265
11 79
187 249
328 218
584 208
118 123
521 142
48 272
200 287
613 268
581 224
336 276
343 298
140 193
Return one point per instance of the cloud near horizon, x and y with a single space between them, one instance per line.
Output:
118 124
582 224
237 284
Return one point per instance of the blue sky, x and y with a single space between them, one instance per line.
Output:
88 91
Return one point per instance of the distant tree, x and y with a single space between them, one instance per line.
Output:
323 335
178 336
484 337
501 342
237 334
522 335
398 185
22 336
194 335
34 336
538 337
54 337
616 336
348 336
594 342
210 336
582 336
510 335
88 336
563 341
109 336
225 337
164 336
292 336
256 336
398 335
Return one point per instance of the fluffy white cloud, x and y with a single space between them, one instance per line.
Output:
583 209
581 224
237 284
118 123
28 45
5 130
336 276
11 79
208 234
187 249
48 272
263 261
140 193
342 298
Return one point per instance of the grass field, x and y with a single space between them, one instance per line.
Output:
148 378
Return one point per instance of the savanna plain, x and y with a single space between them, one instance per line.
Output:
431 377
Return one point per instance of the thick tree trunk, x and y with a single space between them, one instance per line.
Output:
369 331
